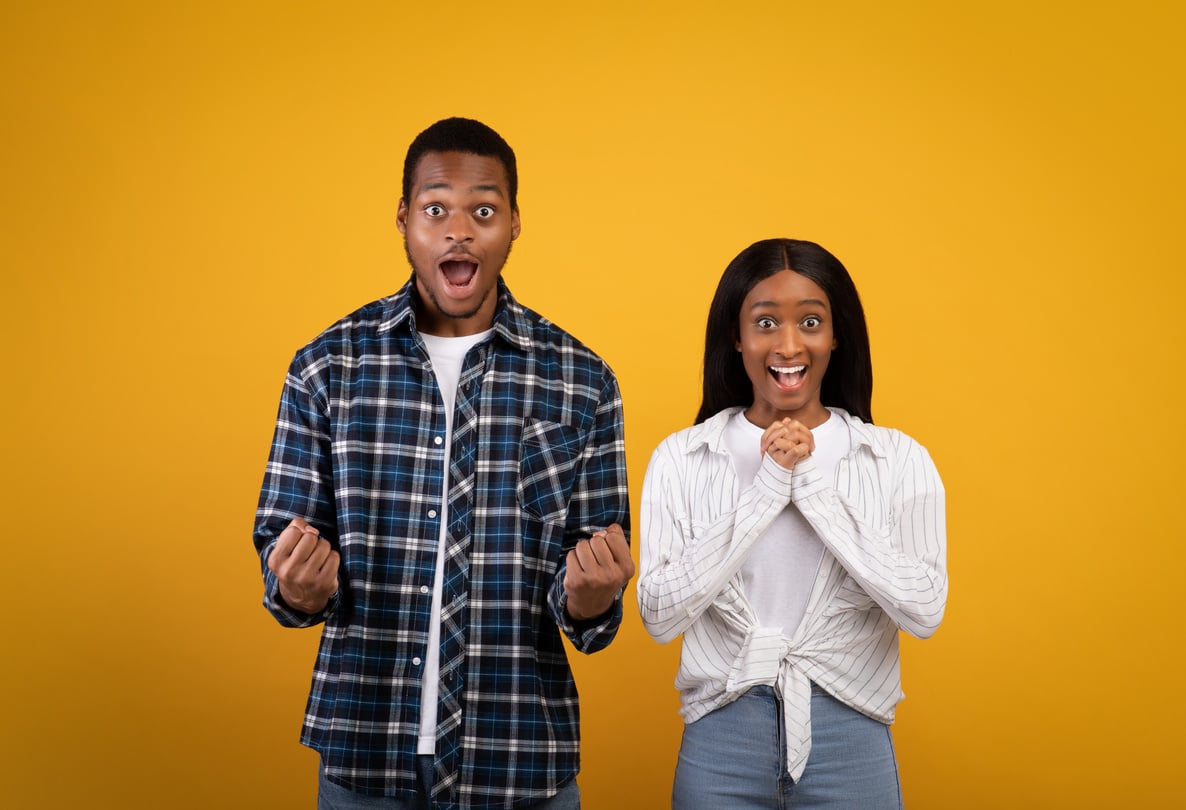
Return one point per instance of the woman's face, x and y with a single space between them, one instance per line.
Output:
785 338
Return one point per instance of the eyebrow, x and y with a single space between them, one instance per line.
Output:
492 187
805 302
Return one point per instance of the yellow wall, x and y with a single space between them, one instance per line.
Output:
191 191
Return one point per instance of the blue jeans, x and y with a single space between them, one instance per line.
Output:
735 759
336 797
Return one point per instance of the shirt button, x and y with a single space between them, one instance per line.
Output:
432 513
423 589
438 441
416 661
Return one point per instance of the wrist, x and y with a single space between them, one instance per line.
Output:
584 612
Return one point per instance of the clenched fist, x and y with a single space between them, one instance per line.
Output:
598 568
788 442
306 566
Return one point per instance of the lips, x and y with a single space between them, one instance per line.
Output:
787 376
459 271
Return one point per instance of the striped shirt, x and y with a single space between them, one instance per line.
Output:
882 523
537 462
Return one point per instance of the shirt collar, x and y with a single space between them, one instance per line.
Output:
710 433
510 317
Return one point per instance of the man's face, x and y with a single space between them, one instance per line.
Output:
458 227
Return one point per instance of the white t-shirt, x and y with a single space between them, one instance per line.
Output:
780 571
448 357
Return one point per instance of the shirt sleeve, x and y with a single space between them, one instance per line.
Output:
297 482
599 499
688 564
901 563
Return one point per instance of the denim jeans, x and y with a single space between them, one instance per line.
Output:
336 797
735 759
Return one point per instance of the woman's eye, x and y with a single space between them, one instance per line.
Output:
484 212
812 322
434 210
765 323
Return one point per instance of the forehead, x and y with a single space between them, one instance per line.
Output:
786 288
459 171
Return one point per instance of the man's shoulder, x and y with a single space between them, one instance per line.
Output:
356 331
549 339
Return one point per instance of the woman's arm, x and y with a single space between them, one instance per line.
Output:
687 556
901 565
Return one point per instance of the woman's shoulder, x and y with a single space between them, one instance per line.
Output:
897 446
706 433
693 446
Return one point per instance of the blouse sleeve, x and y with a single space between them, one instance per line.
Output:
902 562
687 564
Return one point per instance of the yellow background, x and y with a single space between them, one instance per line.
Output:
191 191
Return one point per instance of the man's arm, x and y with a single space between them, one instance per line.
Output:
298 561
585 598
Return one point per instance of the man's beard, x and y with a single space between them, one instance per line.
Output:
437 304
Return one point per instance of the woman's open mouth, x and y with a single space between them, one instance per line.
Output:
787 376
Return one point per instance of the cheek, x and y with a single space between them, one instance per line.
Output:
755 367
824 360
418 242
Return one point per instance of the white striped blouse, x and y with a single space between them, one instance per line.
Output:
882 522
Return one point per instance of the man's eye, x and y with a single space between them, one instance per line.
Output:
484 212
434 210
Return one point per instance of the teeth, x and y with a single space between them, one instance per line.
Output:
787 369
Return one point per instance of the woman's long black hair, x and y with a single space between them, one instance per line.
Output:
848 382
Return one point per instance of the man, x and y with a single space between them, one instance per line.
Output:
446 492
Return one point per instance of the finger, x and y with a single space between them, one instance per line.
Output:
293 532
319 554
799 439
303 553
769 434
784 444
593 552
327 574
616 543
575 565
620 549
613 562
287 539
796 449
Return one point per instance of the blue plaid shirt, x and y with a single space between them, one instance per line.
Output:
537 463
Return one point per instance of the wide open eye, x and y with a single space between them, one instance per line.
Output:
812 322
434 210
484 212
766 322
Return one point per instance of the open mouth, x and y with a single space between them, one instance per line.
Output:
459 272
787 376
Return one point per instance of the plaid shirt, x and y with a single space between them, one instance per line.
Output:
537 463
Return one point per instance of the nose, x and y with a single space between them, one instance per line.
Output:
459 228
789 342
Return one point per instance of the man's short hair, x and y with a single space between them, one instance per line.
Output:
462 135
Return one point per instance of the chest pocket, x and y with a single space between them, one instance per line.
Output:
547 466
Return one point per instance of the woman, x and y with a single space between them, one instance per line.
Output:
788 540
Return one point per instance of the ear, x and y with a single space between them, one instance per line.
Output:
515 224
835 343
401 216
